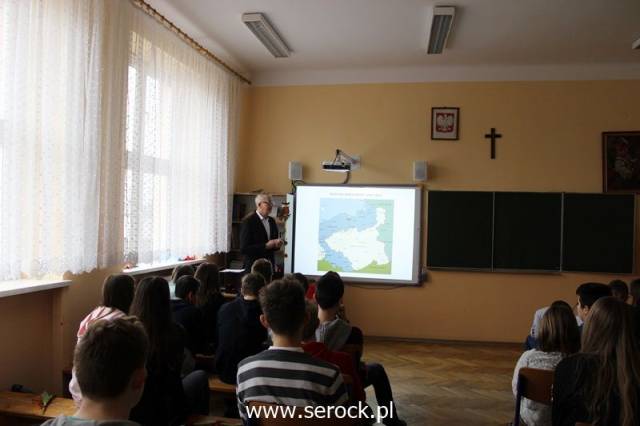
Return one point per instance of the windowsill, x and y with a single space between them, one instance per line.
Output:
145 269
16 287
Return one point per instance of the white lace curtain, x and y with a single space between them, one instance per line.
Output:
53 122
64 67
179 131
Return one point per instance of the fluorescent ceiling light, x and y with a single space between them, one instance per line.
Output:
440 28
266 33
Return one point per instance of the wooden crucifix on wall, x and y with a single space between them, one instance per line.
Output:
493 136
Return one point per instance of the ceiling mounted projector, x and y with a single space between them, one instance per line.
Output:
330 166
342 163
636 44
266 33
440 28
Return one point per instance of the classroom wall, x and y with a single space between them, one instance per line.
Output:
551 142
27 343
38 331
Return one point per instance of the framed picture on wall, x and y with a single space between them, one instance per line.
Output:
444 123
621 161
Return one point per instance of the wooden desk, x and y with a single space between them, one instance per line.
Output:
25 405
218 386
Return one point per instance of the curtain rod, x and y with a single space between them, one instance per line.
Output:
149 10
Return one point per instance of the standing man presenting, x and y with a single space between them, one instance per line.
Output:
259 234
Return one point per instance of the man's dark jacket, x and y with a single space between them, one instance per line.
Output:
253 238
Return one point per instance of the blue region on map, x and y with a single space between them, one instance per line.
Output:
339 215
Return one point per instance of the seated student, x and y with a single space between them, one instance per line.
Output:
558 337
588 294
209 300
179 271
167 398
335 332
600 385
319 350
532 342
186 313
303 280
264 268
117 294
309 287
109 363
619 290
240 333
284 374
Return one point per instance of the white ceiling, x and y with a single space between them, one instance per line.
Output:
385 40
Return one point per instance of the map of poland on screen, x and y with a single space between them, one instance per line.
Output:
361 232
355 235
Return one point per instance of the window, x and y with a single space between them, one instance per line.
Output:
177 167
78 189
50 137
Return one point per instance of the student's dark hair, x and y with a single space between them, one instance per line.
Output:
186 284
108 355
634 289
588 293
303 280
329 290
264 268
151 305
608 334
252 284
117 292
283 305
619 290
559 331
180 271
562 304
208 274
310 326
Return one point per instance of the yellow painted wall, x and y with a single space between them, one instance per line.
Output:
27 344
552 142
38 331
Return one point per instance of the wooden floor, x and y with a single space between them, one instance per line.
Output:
443 384
448 384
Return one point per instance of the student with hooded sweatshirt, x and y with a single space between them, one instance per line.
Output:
319 350
335 333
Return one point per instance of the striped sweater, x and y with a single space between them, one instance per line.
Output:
288 376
